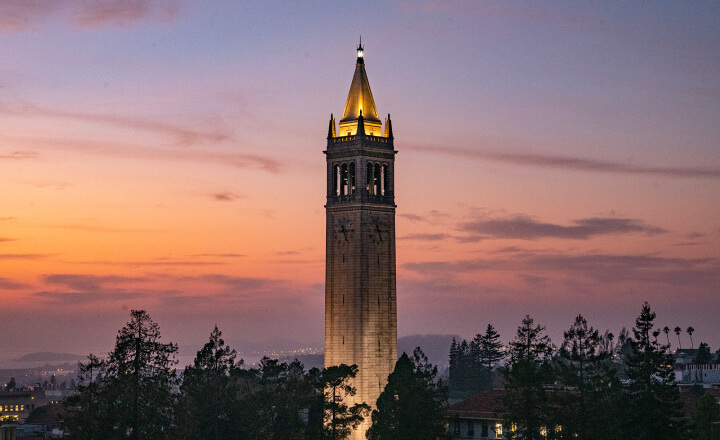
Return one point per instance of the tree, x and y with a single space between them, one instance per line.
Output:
206 394
412 403
10 386
705 415
465 371
490 350
690 331
329 415
134 399
652 395
703 355
666 329
655 334
526 399
87 418
579 351
678 330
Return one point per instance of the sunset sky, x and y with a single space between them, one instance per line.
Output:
555 158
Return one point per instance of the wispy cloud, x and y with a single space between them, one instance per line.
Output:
123 13
4 239
604 268
575 163
225 197
83 282
181 135
19 155
17 15
525 228
24 256
228 255
8 284
108 148
425 237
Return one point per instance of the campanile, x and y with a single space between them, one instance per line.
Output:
360 299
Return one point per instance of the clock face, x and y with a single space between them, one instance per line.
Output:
378 231
344 231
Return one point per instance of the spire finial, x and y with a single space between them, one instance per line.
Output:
388 128
360 125
360 52
331 128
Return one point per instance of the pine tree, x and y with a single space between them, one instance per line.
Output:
207 394
526 399
329 416
652 395
705 418
132 399
588 386
490 348
411 405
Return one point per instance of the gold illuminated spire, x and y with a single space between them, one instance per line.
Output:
360 99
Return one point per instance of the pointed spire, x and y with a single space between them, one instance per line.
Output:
388 128
360 98
360 125
331 128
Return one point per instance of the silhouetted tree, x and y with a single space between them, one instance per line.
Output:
703 355
655 334
207 395
690 331
88 415
412 403
10 386
526 399
678 330
489 353
652 395
705 417
133 399
666 330
329 416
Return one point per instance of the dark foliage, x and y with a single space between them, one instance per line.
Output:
411 405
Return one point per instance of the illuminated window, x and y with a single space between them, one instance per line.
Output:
543 431
498 430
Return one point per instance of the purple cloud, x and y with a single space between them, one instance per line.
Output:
575 163
17 15
425 237
525 228
225 197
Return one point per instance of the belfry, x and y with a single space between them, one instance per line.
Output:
360 298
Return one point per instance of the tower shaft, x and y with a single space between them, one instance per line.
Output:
360 291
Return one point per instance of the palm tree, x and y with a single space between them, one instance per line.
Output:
690 331
656 333
667 330
677 332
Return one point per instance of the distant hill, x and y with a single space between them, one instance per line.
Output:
47 356
435 347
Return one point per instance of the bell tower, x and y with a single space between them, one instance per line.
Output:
360 298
